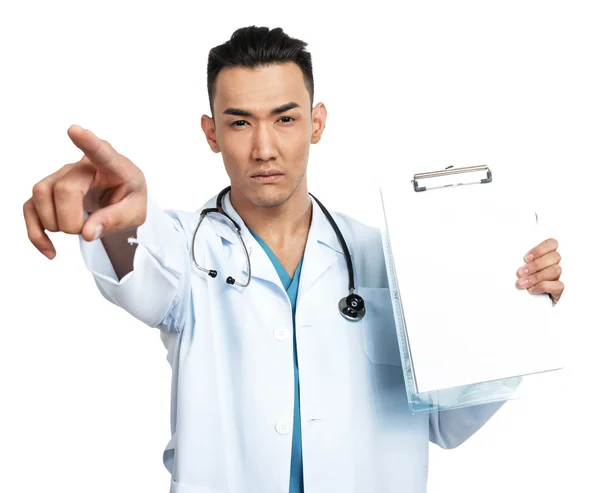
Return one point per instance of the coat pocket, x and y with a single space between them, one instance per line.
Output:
378 327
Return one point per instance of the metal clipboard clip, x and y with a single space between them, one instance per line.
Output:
454 171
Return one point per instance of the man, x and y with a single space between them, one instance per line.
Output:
273 390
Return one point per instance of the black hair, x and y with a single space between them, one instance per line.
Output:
254 47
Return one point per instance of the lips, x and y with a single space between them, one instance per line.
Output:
266 177
266 174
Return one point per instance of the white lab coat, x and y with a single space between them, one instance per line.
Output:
231 351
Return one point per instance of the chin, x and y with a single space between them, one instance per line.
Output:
264 200
269 196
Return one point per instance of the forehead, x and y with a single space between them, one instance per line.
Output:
260 89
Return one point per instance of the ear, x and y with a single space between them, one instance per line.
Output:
208 126
319 117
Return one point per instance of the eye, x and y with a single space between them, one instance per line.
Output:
287 119
238 123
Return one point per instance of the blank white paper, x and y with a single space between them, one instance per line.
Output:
456 252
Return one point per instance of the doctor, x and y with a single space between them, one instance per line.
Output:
275 389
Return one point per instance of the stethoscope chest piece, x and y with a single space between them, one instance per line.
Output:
352 307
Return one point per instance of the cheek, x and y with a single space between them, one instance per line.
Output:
233 152
232 165
230 146
296 146
300 152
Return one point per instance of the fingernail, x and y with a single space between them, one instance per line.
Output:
49 253
523 271
98 232
523 283
529 257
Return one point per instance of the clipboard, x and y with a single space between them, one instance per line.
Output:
453 240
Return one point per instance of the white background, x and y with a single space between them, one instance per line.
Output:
423 85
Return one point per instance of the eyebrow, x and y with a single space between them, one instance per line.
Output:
275 111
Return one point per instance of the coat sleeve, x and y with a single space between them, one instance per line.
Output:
156 290
449 429
452 427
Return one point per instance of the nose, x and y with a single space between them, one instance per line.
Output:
265 143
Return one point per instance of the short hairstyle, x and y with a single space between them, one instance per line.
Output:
254 47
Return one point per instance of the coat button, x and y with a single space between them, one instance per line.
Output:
283 427
281 334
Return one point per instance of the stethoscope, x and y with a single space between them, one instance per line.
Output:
351 307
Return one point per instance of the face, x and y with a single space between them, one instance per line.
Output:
263 126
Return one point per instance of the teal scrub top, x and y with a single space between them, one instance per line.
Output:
291 287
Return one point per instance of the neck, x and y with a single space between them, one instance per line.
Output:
279 225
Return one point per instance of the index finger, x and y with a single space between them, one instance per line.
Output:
97 151
542 249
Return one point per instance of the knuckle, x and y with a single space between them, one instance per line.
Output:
40 189
36 237
108 145
542 287
69 226
110 223
65 187
51 225
558 270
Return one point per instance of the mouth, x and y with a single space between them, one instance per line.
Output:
267 176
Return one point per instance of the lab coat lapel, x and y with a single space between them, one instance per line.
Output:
260 265
322 250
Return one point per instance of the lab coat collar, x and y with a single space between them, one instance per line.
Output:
322 247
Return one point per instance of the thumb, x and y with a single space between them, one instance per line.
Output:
127 214
99 152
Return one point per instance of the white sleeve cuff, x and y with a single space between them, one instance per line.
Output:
160 268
